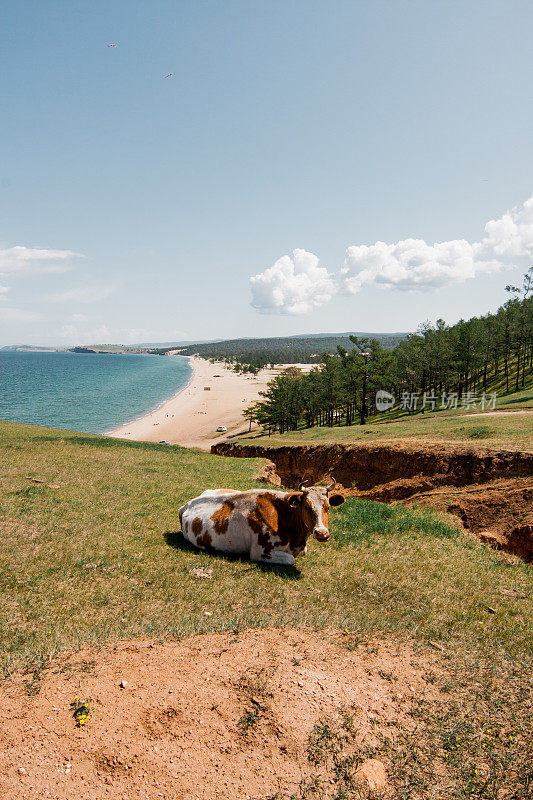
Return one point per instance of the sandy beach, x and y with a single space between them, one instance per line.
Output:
214 396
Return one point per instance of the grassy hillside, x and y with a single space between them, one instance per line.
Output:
92 554
508 430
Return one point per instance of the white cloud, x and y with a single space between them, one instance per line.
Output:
511 236
102 335
293 285
19 259
69 332
132 335
411 264
10 314
83 294
298 285
105 334
16 259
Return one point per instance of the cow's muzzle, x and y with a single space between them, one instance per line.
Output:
321 534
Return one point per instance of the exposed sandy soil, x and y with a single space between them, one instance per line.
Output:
214 396
214 716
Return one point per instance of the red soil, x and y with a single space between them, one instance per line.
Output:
215 716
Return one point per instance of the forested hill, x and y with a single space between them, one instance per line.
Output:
283 350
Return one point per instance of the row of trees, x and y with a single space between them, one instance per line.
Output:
482 354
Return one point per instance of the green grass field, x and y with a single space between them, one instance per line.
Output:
93 554
513 431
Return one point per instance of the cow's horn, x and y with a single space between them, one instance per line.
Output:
331 486
301 486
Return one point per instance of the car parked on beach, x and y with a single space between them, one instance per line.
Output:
221 429
164 441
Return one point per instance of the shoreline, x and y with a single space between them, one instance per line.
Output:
113 431
215 395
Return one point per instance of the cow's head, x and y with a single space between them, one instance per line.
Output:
313 504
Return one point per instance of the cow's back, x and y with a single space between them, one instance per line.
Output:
217 519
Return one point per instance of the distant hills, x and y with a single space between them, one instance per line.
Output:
347 334
279 349
30 348
248 342
171 345
282 349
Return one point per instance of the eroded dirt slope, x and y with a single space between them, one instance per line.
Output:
364 467
499 513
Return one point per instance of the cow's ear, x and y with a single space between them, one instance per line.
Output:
294 499
336 500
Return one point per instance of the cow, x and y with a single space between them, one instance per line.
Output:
266 526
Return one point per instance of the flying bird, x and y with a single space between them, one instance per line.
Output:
169 75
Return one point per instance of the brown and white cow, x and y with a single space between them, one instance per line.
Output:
264 525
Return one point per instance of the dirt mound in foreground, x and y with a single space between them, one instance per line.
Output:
215 716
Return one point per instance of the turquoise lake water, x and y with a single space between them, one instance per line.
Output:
86 392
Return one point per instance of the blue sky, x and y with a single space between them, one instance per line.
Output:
286 125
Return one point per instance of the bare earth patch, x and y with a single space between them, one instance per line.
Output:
214 716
